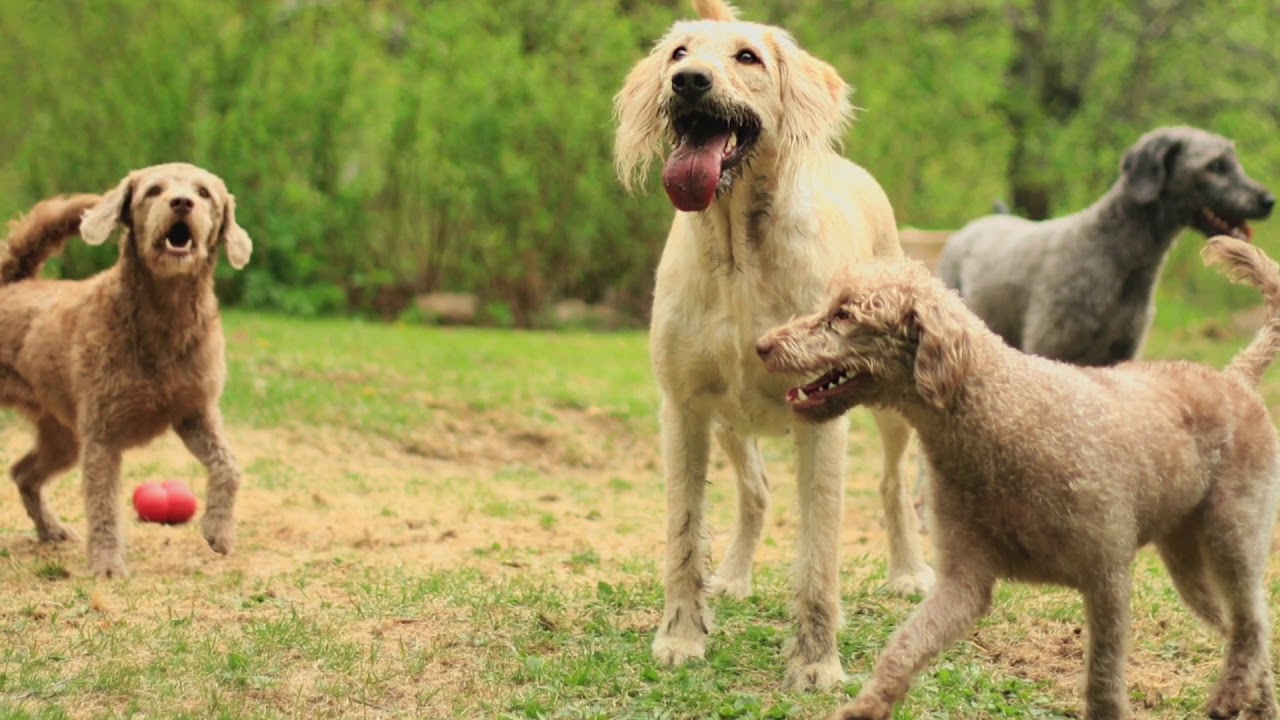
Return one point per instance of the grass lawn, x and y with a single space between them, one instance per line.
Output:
469 523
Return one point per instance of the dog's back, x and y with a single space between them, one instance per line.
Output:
990 262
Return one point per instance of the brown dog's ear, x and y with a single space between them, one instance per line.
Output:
816 99
1146 167
239 246
99 221
942 354
714 10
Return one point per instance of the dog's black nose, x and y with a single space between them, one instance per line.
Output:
182 205
691 84
1267 201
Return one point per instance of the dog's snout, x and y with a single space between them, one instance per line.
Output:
1267 202
691 83
182 205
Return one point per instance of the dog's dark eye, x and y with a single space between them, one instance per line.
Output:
841 314
679 53
153 191
1219 166
203 192
746 57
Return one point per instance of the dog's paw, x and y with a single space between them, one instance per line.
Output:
1234 698
724 584
108 566
822 675
56 533
863 709
913 582
219 535
674 650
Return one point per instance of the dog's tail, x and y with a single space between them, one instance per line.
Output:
1247 265
41 234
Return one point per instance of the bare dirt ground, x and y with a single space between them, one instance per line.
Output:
442 499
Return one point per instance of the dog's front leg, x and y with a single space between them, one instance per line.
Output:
202 434
101 469
952 608
1107 612
814 663
686 619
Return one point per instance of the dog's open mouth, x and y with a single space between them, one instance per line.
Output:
1211 223
178 239
835 383
708 146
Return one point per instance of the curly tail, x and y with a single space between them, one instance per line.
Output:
41 234
1246 264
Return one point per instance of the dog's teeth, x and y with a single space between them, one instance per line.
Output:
831 385
731 144
801 396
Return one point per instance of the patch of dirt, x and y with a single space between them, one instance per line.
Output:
540 491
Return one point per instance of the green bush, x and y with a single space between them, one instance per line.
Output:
379 150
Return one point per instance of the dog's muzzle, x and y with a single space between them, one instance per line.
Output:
710 141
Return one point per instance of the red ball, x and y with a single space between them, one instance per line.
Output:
171 503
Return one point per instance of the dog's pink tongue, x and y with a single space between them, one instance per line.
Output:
693 172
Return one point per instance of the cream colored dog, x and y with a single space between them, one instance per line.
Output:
768 213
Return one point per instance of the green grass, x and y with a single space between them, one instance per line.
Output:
466 583
386 378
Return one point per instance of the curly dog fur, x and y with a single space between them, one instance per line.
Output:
108 363
1049 472
768 210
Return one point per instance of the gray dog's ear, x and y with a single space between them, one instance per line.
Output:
1146 167
99 221
239 246
942 354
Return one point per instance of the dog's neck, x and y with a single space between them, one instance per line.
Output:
1134 234
757 206
993 368
180 308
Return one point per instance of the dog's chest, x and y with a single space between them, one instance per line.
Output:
744 306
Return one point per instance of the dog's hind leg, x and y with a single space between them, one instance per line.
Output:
820 453
909 574
56 450
1183 556
202 434
733 578
686 618
1237 536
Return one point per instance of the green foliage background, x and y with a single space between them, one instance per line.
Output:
380 148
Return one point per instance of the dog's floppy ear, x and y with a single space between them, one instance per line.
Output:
816 99
714 10
239 246
637 108
942 353
99 221
1146 167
